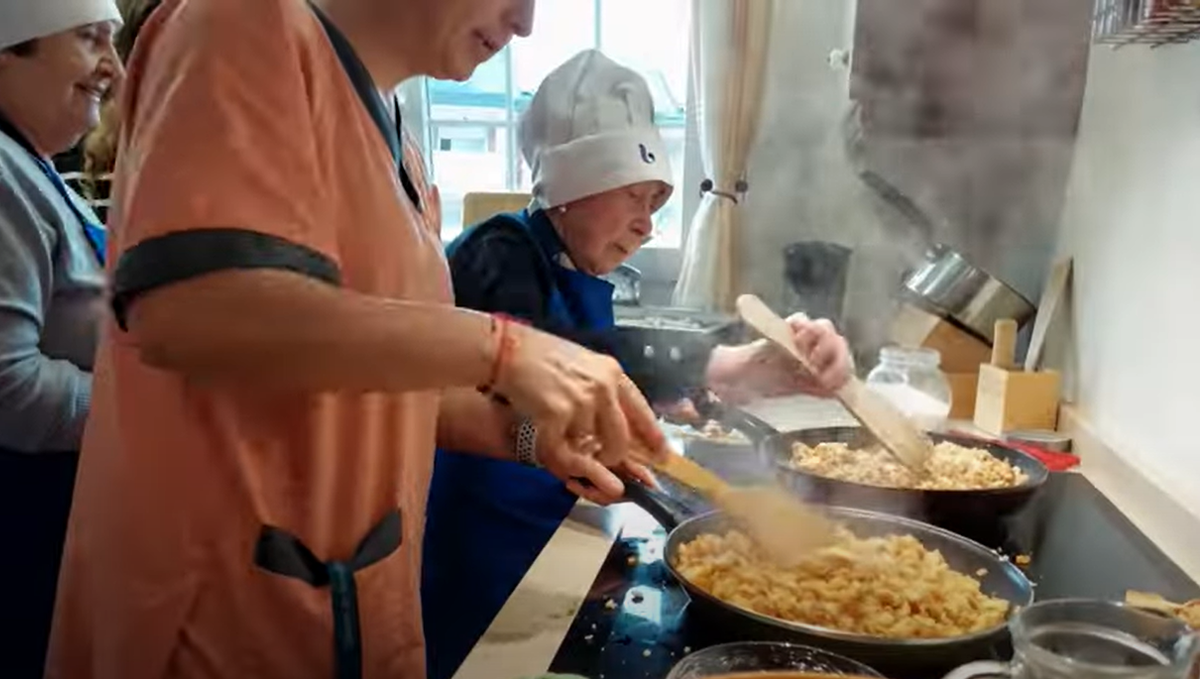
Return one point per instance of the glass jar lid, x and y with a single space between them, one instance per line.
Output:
913 357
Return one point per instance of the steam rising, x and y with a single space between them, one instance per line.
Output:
969 107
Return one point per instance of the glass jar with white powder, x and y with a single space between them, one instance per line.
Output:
913 381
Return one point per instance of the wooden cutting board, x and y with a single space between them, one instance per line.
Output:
1052 296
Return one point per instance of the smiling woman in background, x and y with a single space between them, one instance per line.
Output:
100 147
57 65
600 172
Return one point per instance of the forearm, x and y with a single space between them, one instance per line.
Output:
747 372
659 375
470 422
44 404
278 330
728 365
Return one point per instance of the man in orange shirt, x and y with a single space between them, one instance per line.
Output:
285 355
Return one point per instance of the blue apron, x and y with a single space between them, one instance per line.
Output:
487 520
94 232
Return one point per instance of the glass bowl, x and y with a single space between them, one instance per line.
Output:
767 656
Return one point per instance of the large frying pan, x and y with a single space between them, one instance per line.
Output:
975 513
920 657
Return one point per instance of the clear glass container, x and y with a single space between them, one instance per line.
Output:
769 660
914 382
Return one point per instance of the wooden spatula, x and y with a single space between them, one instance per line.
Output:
1188 612
1149 601
786 528
1156 602
895 431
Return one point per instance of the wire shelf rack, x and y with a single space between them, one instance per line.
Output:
1146 22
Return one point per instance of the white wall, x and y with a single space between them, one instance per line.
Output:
1132 221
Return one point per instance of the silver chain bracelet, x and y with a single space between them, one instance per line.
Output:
525 434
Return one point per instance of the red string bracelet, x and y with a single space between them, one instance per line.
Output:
504 346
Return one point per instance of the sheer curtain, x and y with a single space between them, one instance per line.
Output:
729 58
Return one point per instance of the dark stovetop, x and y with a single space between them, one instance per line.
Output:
634 623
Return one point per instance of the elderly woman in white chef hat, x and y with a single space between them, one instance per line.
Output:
600 172
57 65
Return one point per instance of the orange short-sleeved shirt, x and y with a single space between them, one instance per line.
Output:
246 145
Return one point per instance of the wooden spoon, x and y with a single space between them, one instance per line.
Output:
889 426
786 528
1188 611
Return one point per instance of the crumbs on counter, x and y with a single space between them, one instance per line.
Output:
646 653
981 572
1022 560
589 638
632 560
610 605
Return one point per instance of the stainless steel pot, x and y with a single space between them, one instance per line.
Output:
952 287
672 329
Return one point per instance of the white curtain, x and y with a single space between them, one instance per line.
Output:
729 58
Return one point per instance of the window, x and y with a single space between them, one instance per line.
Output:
469 128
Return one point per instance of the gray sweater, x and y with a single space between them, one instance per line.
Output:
52 299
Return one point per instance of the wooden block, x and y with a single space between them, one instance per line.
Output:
963 387
961 351
480 206
1007 400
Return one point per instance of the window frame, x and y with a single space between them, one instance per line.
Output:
659 266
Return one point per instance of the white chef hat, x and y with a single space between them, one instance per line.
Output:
590 129
22 20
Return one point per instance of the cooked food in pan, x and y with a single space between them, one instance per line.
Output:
950 467
890 587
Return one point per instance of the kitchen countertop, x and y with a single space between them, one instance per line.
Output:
565 596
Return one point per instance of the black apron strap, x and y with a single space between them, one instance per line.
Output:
405 178
364 87
282 553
